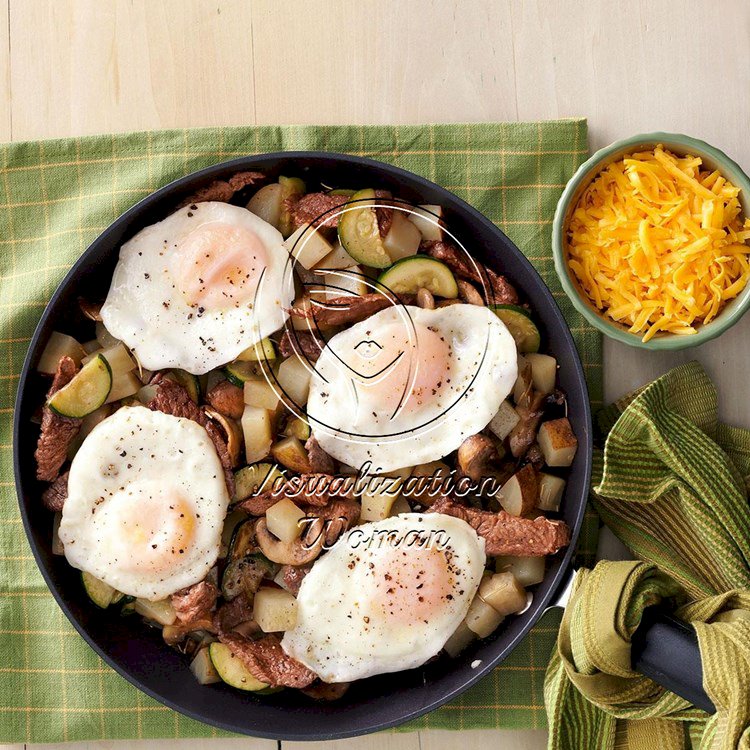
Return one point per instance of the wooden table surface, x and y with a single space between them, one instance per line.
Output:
72 67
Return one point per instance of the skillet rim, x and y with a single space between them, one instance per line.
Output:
471 216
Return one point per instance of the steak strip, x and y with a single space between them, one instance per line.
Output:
195 602
504 534
227 398
302 343
172 398
268 662
320 461
223 190
293 575
54 497
310 209
501 289
334 518
233 613
57 433
344 310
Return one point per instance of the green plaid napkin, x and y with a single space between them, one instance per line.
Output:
55 197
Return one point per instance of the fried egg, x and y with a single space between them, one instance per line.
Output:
386 597
409 385
199 287
146 503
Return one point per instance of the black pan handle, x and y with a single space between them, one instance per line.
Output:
666 650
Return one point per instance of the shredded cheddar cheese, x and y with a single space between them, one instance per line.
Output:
658 244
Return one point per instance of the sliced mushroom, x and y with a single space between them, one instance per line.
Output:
292 553
476 455
231 430
468 293
92 310
425 299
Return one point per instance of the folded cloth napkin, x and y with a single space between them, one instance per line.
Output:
672 484
55 198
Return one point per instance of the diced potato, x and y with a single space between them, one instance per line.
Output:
308 246
283 519
161 612
260 393
123 385
527 570
403 237
91 346
557 441
293 378
520 494
343 282
427 219
504 421
203 668
400 506
482 619
523 379
338 258
274 610
378 498
551 490
291 453
104 337
266 203
503 593
543 372
59 345
118 358
258 433
459 640
57 545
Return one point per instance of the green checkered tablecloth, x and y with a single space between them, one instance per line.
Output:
55 197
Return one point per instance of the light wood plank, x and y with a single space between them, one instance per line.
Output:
385 62
380 741
484 739
5 119
83 66
11 747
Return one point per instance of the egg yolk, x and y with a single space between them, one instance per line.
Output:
218 266
398 369
153 527
412 583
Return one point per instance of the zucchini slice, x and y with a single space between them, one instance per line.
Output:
298 428
359 233
231 669
86 392
521 327
244 575
289 186
409 275
243 540
238 373
348 192
249 479
102 594
259 352
189 382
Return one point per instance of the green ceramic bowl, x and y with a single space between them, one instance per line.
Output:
678 144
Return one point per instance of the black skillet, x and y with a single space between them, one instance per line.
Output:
138 653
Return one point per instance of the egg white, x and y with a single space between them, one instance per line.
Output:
145 309
345 628
355 428
133 453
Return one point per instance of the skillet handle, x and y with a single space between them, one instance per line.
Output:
666 650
